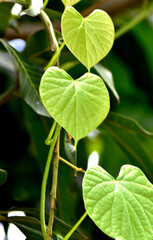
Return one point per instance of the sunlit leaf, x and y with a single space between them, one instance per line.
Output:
78 106
3 176
68 3
121 207
108 78
30 75
89 39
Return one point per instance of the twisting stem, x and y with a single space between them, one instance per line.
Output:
71 165
44 181
53 189
75 226
50 31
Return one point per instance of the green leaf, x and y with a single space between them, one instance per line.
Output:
3 176
5 13
68 3
74 104
34 9
89 39
108 78
125 131
55 15
31 225
35 48
121 207
30 75
130 125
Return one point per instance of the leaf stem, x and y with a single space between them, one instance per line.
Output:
55 57
71 165
50 31
75 226
44 181
121 31
53 189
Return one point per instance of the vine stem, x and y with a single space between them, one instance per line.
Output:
44 181
53 189
50 31
45 3
134 21
55 57
71 165
75 226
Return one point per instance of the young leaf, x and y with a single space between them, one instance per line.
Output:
108 78
3 176
34 8
121 207
89 39
30 75
124 131
68 3
78 106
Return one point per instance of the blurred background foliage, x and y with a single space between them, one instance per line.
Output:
23 152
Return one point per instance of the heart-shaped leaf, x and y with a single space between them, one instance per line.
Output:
121 207
89 39
78 106
70 2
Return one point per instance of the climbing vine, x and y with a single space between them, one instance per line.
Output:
121 207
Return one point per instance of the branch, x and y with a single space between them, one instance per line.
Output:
53 190
71 165
44 181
